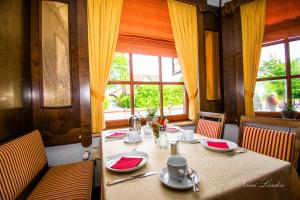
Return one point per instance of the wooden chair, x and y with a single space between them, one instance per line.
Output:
275 137
210 124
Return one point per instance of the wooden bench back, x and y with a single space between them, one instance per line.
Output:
261 134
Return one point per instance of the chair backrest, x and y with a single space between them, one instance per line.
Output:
210 124
21 160
275 137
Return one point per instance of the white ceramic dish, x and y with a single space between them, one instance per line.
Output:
138 139
231 145
173 129
110 161
185 184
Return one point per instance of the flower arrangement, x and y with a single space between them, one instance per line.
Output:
157 124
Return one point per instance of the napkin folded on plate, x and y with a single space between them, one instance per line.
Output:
221 145
117 135
127 163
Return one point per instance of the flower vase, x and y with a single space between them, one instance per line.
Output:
163 140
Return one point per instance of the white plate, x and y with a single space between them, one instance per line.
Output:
185 184
230 144
110 161
138 139
173 129
108 135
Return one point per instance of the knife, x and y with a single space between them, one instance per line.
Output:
142 175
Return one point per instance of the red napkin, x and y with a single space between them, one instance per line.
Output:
221 145
127 163
117 134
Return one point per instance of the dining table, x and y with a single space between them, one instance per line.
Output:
248 175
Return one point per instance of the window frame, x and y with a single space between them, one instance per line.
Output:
160 83
288 76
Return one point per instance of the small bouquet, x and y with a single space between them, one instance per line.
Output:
159 123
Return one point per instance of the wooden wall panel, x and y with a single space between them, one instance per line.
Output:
233 82
15 84
71 124
210 22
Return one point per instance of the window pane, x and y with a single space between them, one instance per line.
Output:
173 98
272 61
145 68
269 94
295 57
296 91
171 71
117 102
146 96
120 67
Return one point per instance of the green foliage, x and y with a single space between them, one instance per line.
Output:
106 103
271 68
119 69
173 95
147 96
123 101
295 66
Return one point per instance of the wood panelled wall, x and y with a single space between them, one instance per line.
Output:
212 23
71 124
233 81
15 83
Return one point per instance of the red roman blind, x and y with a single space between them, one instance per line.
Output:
146 28
282 19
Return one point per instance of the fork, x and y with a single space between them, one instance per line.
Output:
238 151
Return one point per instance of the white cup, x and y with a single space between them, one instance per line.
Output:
132 135
188 135
177 166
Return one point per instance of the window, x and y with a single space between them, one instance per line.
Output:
278 76
138 82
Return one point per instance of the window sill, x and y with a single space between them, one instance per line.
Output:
272 114
183 123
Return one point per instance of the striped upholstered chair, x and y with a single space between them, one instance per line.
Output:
210 124
278 138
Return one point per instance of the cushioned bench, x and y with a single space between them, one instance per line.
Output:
24 173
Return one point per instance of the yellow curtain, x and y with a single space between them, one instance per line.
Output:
184 25
253 23
103 29
212 65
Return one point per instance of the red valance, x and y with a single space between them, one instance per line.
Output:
146 28
282 19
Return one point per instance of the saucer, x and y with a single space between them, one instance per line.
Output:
184 184
138 139
189 141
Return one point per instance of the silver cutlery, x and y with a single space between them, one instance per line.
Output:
142 175
192 175
237 151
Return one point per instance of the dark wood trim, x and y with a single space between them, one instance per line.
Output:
124 122
232 6
272 114
83 73
288 69
272 78
201 4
